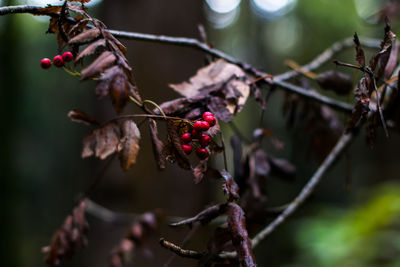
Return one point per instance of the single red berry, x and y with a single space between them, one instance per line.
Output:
202 152
196 134
205 125
187 148
206 114
67 56
198 126
58 61
211 120
186 138
45 63
205 140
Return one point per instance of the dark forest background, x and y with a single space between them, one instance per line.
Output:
351 220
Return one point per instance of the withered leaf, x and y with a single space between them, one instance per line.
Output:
103 87
49 10
128 148
91 49
78 27
361 109
180 156
336 81
240 239
226 82
382 56
85 37
81 117
392 61
360 57
105 60
101 142
262 166
115 42
282 167
119 91
157 145
229 186
204 217
199 171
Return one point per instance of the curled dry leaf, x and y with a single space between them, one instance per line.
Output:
361 109
200 170
112 138
229 186
360 57
157 145
85 37
221 86
81 117
336 81
240 239
392 61
128 147
175 151
49 10
105 60
101 142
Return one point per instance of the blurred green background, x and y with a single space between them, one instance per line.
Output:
43 174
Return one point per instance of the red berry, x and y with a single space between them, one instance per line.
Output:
205 125
198 126
202 153
45 63
211 120
187 148
67 56
58 61
186 138
205 140
206 114
196 134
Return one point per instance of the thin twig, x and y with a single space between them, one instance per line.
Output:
341 145
327 55
196 44
180 251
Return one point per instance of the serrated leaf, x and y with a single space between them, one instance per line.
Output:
105 60
128 148
119 91
91 49
85 37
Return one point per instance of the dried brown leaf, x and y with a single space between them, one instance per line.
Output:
360 57
105 60
119 91
49 10
392 61
336 81
81 117
361 109
180 156
101 142
157 145
229 186
128 148
85 37
199 171
91 49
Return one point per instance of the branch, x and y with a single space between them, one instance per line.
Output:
340 146
327 55
196 44
180 251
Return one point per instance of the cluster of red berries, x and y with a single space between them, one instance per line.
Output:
58 60
197 133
